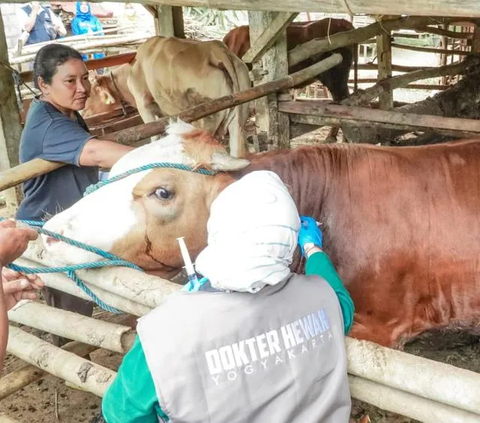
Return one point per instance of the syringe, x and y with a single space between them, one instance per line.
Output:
192 276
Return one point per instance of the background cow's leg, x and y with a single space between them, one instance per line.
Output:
146 106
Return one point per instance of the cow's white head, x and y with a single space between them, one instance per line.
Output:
139 217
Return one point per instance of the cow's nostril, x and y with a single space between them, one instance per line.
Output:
50 240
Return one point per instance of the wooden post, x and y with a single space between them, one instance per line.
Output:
169 21
384 54
10 127
273 65
476 40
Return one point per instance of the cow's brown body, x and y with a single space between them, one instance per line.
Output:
401 225
335 79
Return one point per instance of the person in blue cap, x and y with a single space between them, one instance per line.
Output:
85 22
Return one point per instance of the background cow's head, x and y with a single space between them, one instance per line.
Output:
102 97
139 217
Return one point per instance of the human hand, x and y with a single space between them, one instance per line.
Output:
18 287
309 233
14 241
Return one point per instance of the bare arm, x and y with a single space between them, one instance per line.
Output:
102 153
58 24
30 23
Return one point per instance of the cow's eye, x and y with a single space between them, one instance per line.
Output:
163 193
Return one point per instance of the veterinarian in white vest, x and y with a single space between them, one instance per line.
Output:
259 343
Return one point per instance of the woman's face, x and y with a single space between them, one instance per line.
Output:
70 86
84 7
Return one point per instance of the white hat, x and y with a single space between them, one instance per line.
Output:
252 234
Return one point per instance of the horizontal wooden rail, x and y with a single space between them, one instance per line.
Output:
320 113
106 62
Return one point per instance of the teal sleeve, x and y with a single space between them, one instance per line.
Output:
132 398
319 264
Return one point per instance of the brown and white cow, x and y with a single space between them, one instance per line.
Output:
170 75
401 224
335 79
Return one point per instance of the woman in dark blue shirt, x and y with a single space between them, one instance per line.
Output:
55 131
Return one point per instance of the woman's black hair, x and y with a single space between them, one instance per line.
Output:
49 58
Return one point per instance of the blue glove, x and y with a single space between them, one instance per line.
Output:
309 232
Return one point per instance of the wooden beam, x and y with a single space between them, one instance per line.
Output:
93 64
10 127
371 93
355 36
395 68
475 40
464 8
445 33
132 136
360 116
169 21
275 62
384 54
431 50
268 37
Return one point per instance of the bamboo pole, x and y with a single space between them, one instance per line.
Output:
61 282
400 402
28 373
38 167
74 326
361 116
89 376
419 376
133 285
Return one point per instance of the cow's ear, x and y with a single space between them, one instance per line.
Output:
222 161
105 96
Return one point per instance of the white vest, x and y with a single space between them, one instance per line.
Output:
275 356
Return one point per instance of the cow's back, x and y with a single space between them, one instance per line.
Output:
238 40
401 225
180 74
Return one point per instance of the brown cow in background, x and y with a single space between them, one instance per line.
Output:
170 75
335 79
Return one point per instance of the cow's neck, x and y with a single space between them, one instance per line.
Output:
307 172
119 78
311 174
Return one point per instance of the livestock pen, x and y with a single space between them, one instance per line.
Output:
394 381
